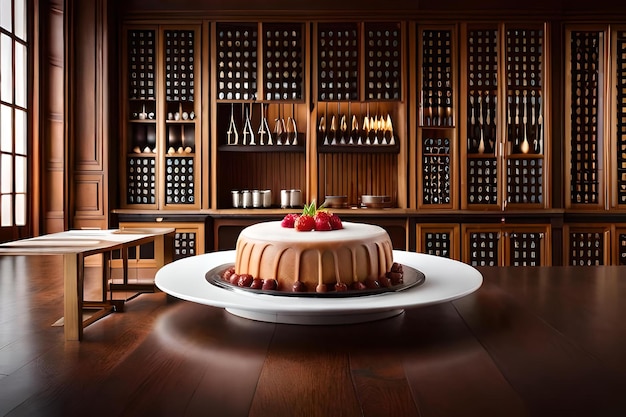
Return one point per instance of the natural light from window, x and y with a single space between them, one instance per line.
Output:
13 113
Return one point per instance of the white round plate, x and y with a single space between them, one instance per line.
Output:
445 280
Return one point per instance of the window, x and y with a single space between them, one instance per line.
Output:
13 116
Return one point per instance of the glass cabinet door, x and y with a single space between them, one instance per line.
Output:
504 141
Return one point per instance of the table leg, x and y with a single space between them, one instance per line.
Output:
124 252
73 289
163 249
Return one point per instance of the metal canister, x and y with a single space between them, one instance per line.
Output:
295 198
267 198
236 198
257 200
285 198
246 199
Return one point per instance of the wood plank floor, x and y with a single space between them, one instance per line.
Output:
507 350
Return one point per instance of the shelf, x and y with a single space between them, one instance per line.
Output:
262 148
359 148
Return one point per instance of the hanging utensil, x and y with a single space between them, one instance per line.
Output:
278 131
264 129
533 121
524 146
333 130
540 127
231 134
343 127
322 130
488 134
294 126
248 133
354 132
389 128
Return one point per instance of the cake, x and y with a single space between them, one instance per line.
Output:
356 256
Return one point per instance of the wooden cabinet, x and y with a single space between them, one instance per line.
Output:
439 240
587 245
507 245
436 162
449 122
505 143
359 128
161 132
587 139
260 123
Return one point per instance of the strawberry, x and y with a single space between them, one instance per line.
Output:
322 221
335 222
304 223
289 220
315 218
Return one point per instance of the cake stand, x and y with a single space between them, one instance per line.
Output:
445 280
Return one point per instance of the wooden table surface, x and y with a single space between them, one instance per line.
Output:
547 341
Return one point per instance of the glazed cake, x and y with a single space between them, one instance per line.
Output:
355 257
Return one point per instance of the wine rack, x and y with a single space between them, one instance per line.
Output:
437 92
383 56
237 61
141 180
338 61
586 143
284 61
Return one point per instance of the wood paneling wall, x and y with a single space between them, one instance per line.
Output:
52 127
88 104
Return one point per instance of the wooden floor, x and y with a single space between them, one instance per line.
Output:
508 350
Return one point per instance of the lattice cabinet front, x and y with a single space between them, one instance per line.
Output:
504 125
528 246
439 240
508 245
436 163
618 197
586 82
587 245
161 133
482 245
